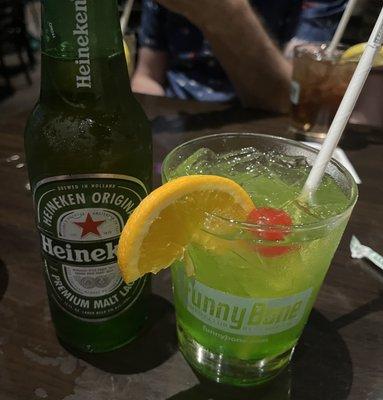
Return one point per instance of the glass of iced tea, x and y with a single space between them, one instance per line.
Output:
318 85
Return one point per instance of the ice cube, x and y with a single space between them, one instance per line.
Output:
292 170
203 161
248 161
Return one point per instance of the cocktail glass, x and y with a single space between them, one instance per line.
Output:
244 291
319 83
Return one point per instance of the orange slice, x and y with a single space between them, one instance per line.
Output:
165 222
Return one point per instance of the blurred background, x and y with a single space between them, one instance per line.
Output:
20 39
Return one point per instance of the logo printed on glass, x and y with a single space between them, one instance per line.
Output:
245 316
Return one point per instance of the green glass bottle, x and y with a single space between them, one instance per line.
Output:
89 154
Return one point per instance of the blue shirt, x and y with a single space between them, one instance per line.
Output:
194 72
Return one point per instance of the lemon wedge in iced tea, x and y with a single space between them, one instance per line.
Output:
355 52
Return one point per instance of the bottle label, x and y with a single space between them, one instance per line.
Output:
243 316
79 219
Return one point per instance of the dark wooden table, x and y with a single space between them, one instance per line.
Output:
340 355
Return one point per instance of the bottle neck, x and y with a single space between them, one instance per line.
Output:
83 62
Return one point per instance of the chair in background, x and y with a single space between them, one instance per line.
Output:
14 40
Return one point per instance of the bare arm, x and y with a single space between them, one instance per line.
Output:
256 67
149 77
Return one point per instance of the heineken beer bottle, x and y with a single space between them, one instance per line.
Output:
88 148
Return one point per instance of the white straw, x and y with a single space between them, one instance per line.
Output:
124 21
341 27
344 111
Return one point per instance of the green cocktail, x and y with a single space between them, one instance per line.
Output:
246 289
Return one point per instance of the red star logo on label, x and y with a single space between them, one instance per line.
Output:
89 226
